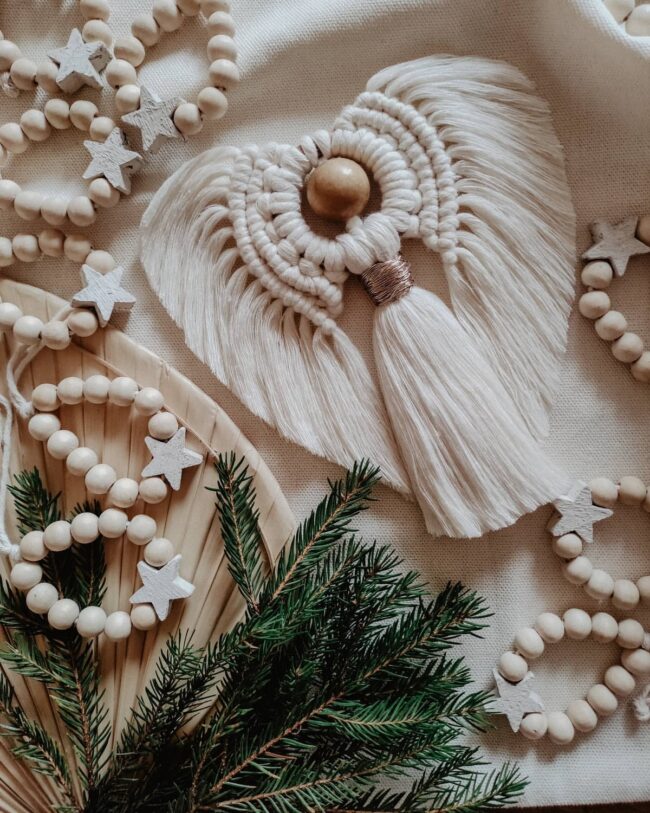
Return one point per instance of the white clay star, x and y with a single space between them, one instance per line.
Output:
615 242
577 514
154 119
104 293
161 587
170 458
113 160
79 63
516 700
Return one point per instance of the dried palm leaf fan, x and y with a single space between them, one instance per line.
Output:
186 516
466 160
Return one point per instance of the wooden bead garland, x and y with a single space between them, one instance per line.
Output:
578 568
525 709
608 258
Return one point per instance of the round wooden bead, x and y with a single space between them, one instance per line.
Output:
41 427
57 112
578 570
83 323
630 634
70 390
149 401
162 425
6 252
81 460
9 53
96 389
158 552
4 157
50 242
600 585
112 523
550 627
513 667
27 205
35 126
212 103
141 529
641 367
100 478
119 72
100 128
636 661
57 535
122 391
127 99
628 348
604 492
146 29
338 189
63 613
27 329
594 304
577 624
91 622
597 274
23 73
54 210
222 47
124 492
626 594
32 547
221 23
9 315
45 398
529 643
24 575
95 9
631 490
224 74
604 628
153 490
101 261
55 335
85 528
143 617
534 726
97 31
582 715
12 138
602 700
619 681
46 73
643 229
187 118
61 443
82 112
644 588
41 597
560 728
81 211
8 191
129 49
167 14
76 247
118 626
103 194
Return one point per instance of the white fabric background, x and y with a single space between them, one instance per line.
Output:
302 60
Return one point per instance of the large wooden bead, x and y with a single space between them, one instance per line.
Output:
167 14
12 138
82 112
24 575
631 490
582 715
91 622
641 367
118 626
338 189
529 643
636 661
41 597
23 74
594 304
628 348
57 112
550 627
626 594
600 585
619 681
85 528
598 274
630 634
28 205
9 53
97 31
577 624
187 118
513 667
604 628
534 726
602 700
604 492
560 728
146 29
35 126
130 49
63 613
46 73
143 617
578 570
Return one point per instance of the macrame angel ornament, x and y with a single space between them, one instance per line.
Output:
465 160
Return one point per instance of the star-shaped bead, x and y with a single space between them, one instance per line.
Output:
170 458
516 700
615 242
113 160
154 119
80 63
161 586
577 514
104 293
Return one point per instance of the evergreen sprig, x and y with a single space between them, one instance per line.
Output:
338 679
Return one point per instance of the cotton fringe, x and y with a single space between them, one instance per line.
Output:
315 389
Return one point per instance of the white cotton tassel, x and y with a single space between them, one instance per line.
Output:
472 462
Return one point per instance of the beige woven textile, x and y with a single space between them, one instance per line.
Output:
302 60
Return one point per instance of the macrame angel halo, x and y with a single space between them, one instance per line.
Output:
465 158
